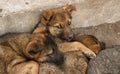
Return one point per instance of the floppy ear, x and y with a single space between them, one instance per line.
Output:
32 50
69 8
47 15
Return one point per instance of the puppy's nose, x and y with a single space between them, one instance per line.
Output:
70 37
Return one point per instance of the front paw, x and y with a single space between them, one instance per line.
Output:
90 54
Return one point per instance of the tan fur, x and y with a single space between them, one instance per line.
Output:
48 68
75 63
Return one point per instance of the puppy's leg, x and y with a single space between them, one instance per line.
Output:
72 46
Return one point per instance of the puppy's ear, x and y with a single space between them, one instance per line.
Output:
40 29
32 50
69 8
47 15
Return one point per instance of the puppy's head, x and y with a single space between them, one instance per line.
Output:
58 21
42 48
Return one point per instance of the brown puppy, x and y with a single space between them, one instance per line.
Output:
58 22
39 47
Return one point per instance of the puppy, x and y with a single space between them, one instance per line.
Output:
58 22
38 47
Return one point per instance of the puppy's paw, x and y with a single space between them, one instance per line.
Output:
90 54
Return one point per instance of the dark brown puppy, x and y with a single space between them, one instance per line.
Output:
38 46
58 22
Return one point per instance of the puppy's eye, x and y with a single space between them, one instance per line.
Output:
35 49
58 26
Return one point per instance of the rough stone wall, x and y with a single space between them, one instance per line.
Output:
107 62
23 15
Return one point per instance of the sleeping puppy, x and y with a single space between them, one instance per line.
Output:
17 49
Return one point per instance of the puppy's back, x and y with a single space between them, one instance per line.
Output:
90 41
